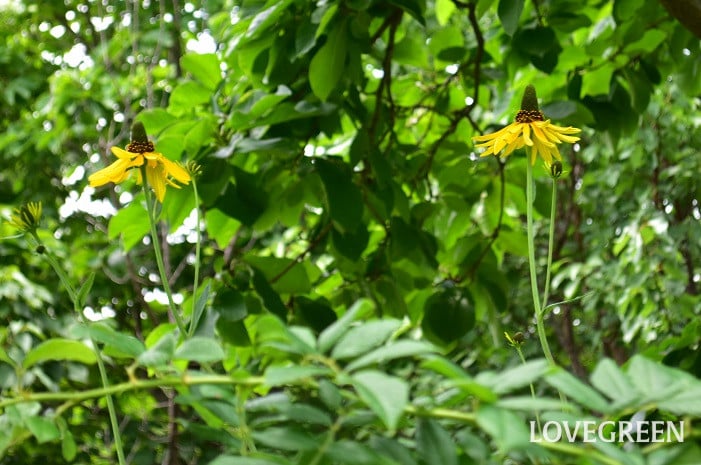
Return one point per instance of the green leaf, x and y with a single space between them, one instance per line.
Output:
116 343
59 349
330 394
577 390
239 460
220 226
161 353
530 404
348 452
316 314
343 198
69 449
415 8
328 64
507 429
286 438
291 276
203 67
200 349
536 42
608 378
245 200
397 349
266 19
200 305
84 290
362 338
333 333
187 96
509 12
448 315
6 358
434 444
655 381
155 120
444 10
278 376
271 299
267 101
385 395
647 43
230 305
351 244
233 332
687 402
44 429
597 82
131 222
624 10
513 378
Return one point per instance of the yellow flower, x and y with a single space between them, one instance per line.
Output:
26 217
529 129
140 153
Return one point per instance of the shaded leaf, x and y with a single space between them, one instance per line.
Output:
385 395
59 349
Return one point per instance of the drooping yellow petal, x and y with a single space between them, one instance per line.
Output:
156 178
490 136
515 144
541 136
527 134
176 171
124 155
116 173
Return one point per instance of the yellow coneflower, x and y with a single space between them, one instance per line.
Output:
159 170
531 129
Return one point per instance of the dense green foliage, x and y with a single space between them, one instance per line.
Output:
360 262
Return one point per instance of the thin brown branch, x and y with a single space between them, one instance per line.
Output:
386 81
304 253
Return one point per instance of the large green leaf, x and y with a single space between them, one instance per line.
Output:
203 67
434 443
509 13
385 395
131 222
116 344
578 391
448 315
343 198
59 349
507 429
328 64
200 349
364 337
336 330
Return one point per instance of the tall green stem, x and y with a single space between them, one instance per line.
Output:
551 237
530 197
150 207
193 322
98 356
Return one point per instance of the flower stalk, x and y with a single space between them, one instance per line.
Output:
150 208
530 197
194 169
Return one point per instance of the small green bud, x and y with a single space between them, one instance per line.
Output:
516 340
556 169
